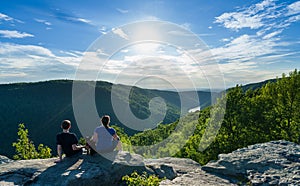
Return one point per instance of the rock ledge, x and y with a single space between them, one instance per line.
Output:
272 163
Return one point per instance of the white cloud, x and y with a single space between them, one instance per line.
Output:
293 19
265 16
238 20
131 65
250 57
15 50
14 34
257 16
146 48
268 18
83 20
78 20
244 76
34 63
176 70
43 21
123 11
226 39
12 75
264 4
5 17
120 33
272 34
246 47
125 51
76 54
103 30
294 8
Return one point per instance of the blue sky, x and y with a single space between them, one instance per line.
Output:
251 41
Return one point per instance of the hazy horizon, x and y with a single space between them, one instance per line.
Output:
205 89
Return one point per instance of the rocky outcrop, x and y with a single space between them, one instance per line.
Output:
4 159
272 163
188 172
96 170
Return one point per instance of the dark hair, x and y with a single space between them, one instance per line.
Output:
105 120
66 124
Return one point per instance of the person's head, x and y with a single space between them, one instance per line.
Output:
105 120
66 124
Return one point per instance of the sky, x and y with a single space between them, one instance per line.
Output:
235 42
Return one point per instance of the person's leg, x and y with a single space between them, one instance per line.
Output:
90 145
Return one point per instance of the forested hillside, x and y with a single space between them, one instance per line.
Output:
42 106
258 113
252 116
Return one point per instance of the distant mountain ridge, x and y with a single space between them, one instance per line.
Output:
257 85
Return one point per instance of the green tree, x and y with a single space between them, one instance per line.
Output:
25 148
283 96
126 144
287 96
44 152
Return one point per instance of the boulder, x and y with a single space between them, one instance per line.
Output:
272 163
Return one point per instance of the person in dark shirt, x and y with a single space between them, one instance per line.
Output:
67 142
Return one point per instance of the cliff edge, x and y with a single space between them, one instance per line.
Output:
272 163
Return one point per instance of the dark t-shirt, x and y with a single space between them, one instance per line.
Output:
66 140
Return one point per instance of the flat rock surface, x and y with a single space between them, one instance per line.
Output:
188 173
272 163
96 170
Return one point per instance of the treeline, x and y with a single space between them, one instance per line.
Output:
253 116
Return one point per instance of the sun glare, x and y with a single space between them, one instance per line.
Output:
146 31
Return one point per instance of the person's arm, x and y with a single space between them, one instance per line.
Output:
119 145
59 152
77 147
95 137
116 137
